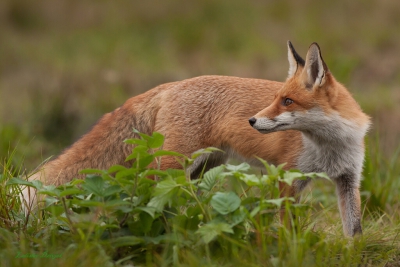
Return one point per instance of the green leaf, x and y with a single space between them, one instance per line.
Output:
238 216
70 191
50 190
164 192
160 153
111 190
144 160
116 202
19 181
136 142
76 182
317 175
125 173
125 241
238 168
54 192
174 173
250 179
149 210
207 150
138 152
211 230
290 176
156 140
210 178
95 185
116 168
50 201
225 202
146 222
264 162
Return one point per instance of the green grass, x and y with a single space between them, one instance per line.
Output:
227 218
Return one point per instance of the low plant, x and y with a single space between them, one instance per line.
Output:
146 216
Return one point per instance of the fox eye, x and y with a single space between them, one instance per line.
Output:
287 101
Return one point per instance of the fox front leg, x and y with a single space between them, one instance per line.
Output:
349 203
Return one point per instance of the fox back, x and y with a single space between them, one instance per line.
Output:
310 122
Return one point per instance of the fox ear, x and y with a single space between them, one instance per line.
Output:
315 69
294 60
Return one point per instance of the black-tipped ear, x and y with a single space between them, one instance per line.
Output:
294 60
315 68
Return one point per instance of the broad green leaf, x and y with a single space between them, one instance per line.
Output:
149 210
76 182
38 184
95 185
238 168
116 168
165 187
225 202
250 179
265 179
175 173
317 175
19 181
126 173
290 176
50 190
138 152
164 192
238 216
111 190
144 136
146 222
210 178
54 192
273 170
156 140
211 230
50 201
136 142
144 161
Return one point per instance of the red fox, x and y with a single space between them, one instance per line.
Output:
311 122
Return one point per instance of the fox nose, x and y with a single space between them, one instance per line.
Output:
252 121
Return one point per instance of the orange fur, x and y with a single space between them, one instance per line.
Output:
192 114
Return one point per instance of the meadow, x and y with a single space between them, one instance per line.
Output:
65 63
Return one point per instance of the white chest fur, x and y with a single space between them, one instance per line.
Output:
334 147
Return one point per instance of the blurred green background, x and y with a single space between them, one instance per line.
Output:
65 63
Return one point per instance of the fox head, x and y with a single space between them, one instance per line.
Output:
309 99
